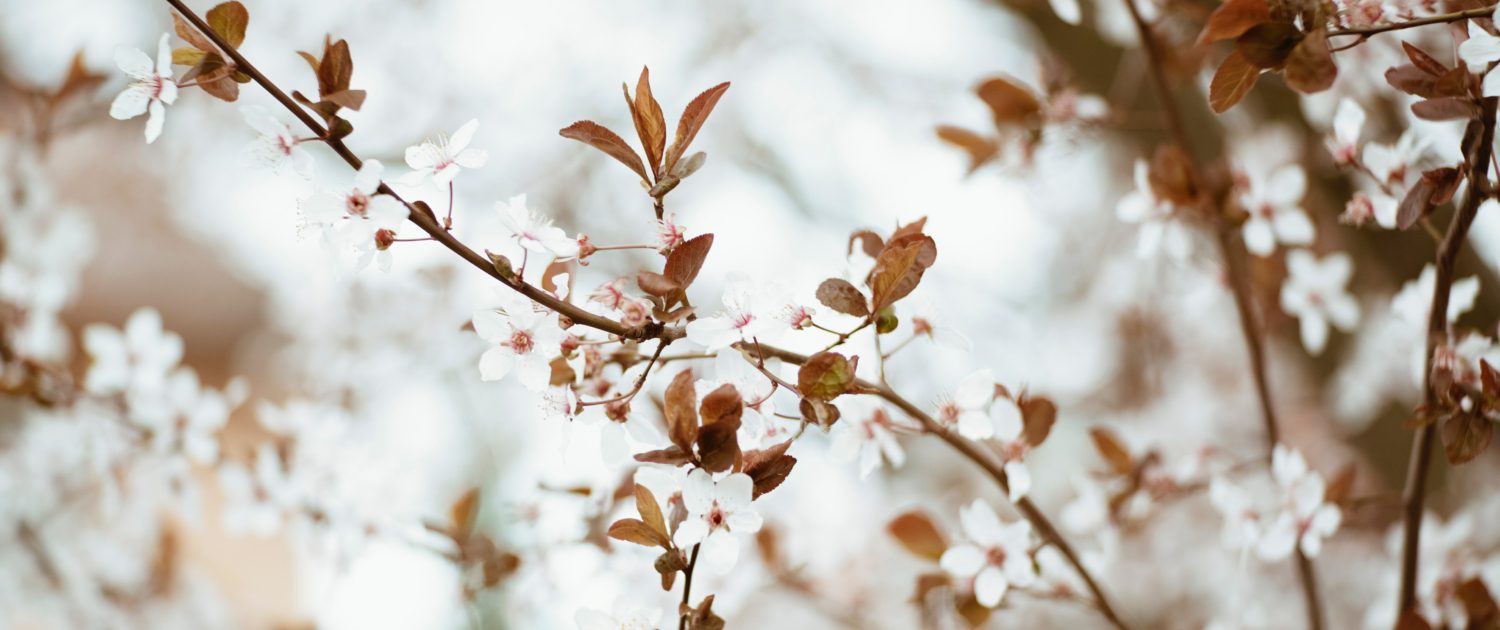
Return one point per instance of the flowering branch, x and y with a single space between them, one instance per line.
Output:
1366 31
973 452
1414 495
1234 253
423 217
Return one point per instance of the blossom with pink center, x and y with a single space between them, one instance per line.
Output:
1377 207
1275 207
534 231
150 90
356 217
442 159
997 557
1160 230
1348 123
1315 293
525 340
1304 519
750 312
1390 165
967 410
277 146
864 433
718 511
668 234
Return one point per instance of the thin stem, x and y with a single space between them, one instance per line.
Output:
639 381
1235 258
687 589
1367 31
448 221
1415 493
424 218
975 453
607 248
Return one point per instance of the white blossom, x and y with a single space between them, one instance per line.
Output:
1274 204
150 90
534 231
1159 229
355 217
864 433
525 340
277 147
750 312
717 513
442 159
1314 292
997 556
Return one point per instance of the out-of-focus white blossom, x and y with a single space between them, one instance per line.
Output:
1275 207
1314 292
150 90
1160 230
277 147
534 231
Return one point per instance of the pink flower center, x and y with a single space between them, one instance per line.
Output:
995 556
358 204
716 517
742 320
521 341
157 83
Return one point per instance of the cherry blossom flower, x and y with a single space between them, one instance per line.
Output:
1160 230
534 231
967 411
444 158
133 360
255 500
997 557
184 417
1377 207
637 618
1275 207
1390 164
525 341
1315 293
864 433
150 90
750 312
1414 301
1005 417
1305 520
668 234
356 217
1360 13
277 147
1480 50
1348 122
1241 519
717 512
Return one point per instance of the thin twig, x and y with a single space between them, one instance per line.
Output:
975 453
422 217
687 588
1437 331
1235 255
1366 31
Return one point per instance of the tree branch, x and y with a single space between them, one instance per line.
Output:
1437 332
1233 251
973 452
1366 31
424 219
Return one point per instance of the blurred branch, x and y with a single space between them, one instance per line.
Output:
423 217
973 452
1437 330
1366 31
1235 259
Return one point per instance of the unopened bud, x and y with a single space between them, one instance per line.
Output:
384 239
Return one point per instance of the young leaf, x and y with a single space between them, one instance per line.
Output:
1010 103
650 125
595 135
767 468
981 149
1112 450
671 456
1269 44
825 376
718 448
635 531
682 419
1420 59
1231 82
1478 604
918 535
1465 436
650 510
1233 18
229 21
686 259
656 284
839 295
869 243
693 117
190 35
1038 414
1310 67
1449 108
899 269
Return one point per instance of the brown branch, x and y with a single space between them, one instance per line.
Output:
422 217
687 589
1235 259
1437 332
973 452
1366 31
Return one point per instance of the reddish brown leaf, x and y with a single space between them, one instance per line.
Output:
1310 67
915 227
1465 436
718 448
839 295
190 35
686 259
1444 183
1232 81
650 124
767 468
1478 603
1424 61
1232 19
229 20
1448 108
693 117
1412 80
1038 415
463 512
671 456
656 284
981 149
650 510
1010 102
869 243
918 535
1269 44
1112 450
1489 378
899 269
682 418
825 376
595 135
635 531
